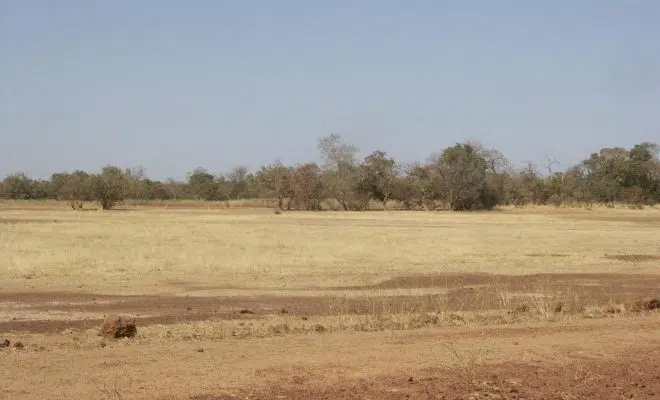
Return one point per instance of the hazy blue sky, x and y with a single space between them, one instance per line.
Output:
172 85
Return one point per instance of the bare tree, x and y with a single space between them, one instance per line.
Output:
550 161
335 152
340 169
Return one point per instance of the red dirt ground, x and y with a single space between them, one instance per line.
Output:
637 377
465 292
617 358
633 378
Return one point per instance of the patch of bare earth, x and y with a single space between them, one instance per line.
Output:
650 219
5 220
546 255
625 378
634 257
594 359
460 292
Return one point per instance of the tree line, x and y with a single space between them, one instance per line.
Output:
466 176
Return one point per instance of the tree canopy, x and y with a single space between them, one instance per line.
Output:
465 176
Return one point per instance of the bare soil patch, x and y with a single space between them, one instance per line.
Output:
634 377
637 218
633 257
28 221
581 358
517 282
465 292
546 255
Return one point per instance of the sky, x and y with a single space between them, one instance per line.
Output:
173 85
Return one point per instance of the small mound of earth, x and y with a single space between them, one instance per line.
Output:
115 327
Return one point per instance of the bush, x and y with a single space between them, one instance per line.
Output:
555 199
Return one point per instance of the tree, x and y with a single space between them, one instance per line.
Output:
75 188
466 176
642 182
340 171
18 186
498 169
203 185
335 152
307 187
462 174
274 182
57 181
415 188
110 187
550 162
240 181
617 174
378 174
149 189
176 189
136 183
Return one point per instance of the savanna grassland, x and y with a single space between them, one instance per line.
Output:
517 303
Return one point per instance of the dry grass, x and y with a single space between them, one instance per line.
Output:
353 263
217 251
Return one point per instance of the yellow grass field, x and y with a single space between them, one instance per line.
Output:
239 302
156 251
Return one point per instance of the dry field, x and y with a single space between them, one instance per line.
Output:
240 303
